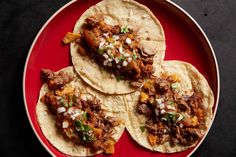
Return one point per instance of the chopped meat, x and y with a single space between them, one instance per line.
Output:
136 69
55 81
189 136
81 50
136 84
157 129
144 109
183 106
112 121
97 145
116 29
91 38
51 101
148 60
170 116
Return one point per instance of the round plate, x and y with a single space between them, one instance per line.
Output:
185 41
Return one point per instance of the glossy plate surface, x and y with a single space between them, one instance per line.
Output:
184 39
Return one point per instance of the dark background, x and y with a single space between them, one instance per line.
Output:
20 20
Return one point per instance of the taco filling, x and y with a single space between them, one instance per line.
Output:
172 115
117 48
79 116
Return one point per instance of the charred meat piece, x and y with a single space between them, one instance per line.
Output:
183 106
91 39
55 81
189 136
144 109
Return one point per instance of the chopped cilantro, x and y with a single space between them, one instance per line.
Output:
81 127
169 117
71 103
121 59
170 102
85 116
63 102
134 56
142 128
111 55
119 78
124 30
101 51
84 131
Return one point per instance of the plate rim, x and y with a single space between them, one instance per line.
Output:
25 70
163 1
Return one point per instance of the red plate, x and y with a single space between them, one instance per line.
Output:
185 41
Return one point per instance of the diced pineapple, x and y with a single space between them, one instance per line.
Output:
148 85
174 77
110 146
110 40
143 97
70 37
97 132
67 90
152 139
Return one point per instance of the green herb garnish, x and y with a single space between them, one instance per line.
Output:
71 103
63 102
81 127
121 59
134 56
119 78
142 128
85 116
124 29
101 51
85 131
169 117
170 102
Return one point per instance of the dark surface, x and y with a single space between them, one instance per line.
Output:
20 20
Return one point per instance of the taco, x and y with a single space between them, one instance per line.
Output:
114 45
171 112
75 120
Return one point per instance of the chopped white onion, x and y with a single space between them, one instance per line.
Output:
105 55
129 59
126 54
108 51
110 46
61 109
156 112
128 41
181 125
168 107
117 60
162 105
106 35
70 110
159 101
109 64
125 63
180 118
105 62
110 59
118 66
115 37
65 124
102 44
121 50
163 111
